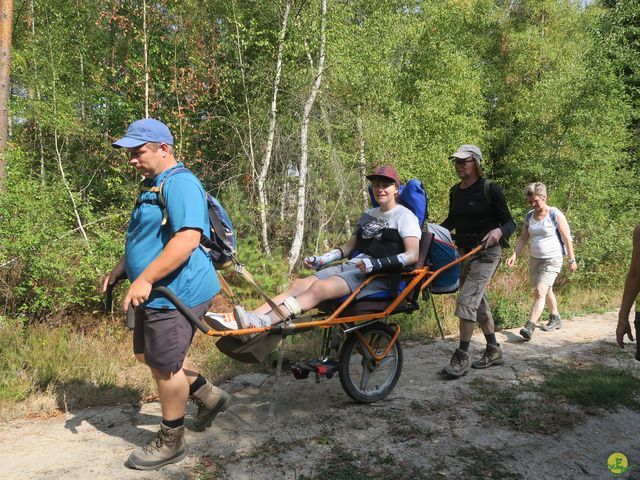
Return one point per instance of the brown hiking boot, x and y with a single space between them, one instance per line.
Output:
458 365
211 400
492 355
527 330
554 322
168 447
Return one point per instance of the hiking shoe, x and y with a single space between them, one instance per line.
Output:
211 400
246 319
168 447
458 365
554 322
527 330
221 321
492 355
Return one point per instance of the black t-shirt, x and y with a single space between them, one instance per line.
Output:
471 215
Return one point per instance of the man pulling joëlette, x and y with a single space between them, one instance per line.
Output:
478 213
168 254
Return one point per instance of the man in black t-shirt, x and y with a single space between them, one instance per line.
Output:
478 213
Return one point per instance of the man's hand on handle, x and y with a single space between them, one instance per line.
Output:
492 238
137 294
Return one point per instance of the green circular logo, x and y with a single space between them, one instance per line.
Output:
617 463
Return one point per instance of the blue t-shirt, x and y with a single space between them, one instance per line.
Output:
195 281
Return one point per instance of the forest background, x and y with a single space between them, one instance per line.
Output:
281 107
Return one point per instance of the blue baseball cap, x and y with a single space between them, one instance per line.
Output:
143 131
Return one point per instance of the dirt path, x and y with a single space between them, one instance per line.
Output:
427 428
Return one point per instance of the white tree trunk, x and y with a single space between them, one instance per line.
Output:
296 245
262 177
362 161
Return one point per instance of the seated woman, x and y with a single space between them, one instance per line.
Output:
387 239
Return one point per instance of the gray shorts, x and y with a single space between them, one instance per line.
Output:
354 277
472 302
544 270
164 336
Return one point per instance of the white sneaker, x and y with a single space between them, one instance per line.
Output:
221 322
246 319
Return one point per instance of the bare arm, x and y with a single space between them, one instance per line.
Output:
522 242
563 228
631 290
174 254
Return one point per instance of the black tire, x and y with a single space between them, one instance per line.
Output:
361 379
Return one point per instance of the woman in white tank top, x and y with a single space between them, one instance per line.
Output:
547 232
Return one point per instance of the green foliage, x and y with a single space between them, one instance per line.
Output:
547 89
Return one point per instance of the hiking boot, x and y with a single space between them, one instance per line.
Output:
458 365
527 330
221 321
211 400
168 447
554 322
492 355
246 319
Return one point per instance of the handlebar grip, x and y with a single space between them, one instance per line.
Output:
108 298
131 317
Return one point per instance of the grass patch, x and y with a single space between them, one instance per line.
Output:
511 407
343 464
595 386
482 463
208 468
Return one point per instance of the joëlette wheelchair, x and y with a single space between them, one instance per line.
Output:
360 342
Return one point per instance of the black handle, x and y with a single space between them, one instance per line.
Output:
108 302
182 308
108 298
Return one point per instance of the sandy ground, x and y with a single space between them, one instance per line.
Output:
427 427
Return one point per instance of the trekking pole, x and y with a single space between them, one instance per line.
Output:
435 312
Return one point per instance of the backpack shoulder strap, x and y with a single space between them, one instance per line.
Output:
553 216
487 193
527 218
160 191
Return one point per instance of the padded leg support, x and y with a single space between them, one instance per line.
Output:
292 304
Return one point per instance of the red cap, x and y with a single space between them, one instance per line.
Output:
387 172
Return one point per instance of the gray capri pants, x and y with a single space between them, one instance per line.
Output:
472 302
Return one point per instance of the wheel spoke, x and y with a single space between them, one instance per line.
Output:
364 378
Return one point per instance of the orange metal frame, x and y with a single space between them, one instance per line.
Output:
418 275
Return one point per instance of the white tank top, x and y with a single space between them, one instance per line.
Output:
544 239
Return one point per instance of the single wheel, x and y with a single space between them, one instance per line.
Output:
361 378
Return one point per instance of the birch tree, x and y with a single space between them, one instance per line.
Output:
296 245
262 177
